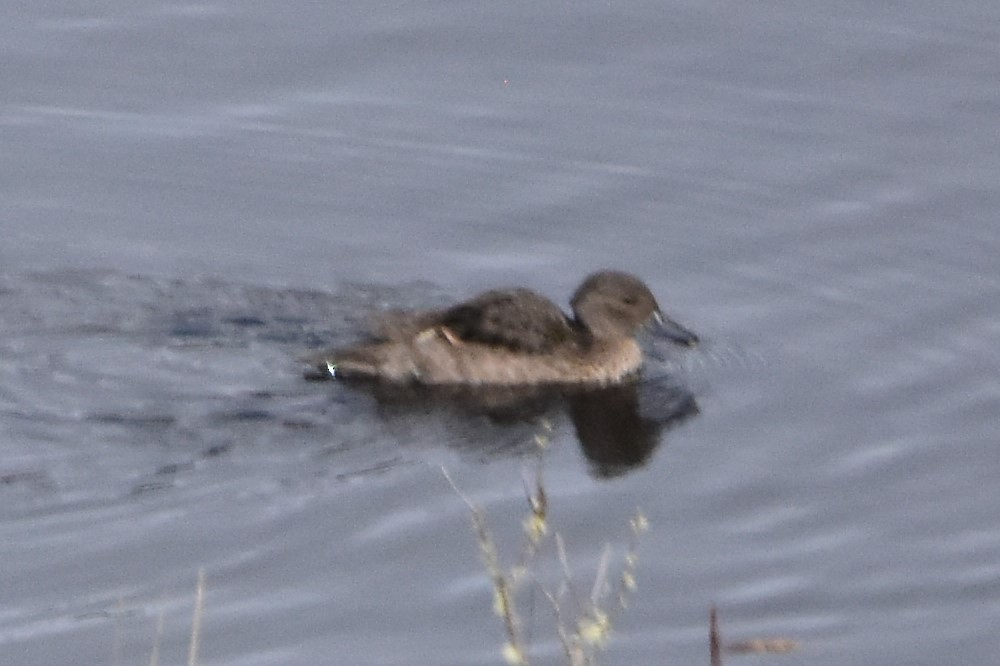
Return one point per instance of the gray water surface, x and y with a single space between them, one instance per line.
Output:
193 195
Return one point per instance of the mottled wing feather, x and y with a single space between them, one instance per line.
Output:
517 319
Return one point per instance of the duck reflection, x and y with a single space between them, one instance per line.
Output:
618 427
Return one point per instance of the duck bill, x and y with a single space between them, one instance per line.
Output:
671 330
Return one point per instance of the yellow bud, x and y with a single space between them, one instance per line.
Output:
596 630
640 523
513 655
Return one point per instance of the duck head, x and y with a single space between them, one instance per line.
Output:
612 304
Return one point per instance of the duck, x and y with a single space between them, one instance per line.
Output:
514 337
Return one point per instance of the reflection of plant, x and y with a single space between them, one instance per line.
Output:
584 627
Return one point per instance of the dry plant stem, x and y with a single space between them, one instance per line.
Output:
714 639
537 527
154 656
199 608
583 625
571 646
116 648
501 586
601 579
567 574
577 650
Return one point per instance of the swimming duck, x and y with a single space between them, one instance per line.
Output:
510 337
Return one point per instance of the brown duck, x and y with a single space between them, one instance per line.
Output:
510 337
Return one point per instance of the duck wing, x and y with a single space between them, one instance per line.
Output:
518 319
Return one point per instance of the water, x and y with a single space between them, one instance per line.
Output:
193 195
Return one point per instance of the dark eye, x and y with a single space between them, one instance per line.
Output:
630 300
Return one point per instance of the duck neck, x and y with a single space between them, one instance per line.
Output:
586 337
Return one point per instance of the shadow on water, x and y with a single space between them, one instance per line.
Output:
617 427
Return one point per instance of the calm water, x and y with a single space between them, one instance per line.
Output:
194 194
